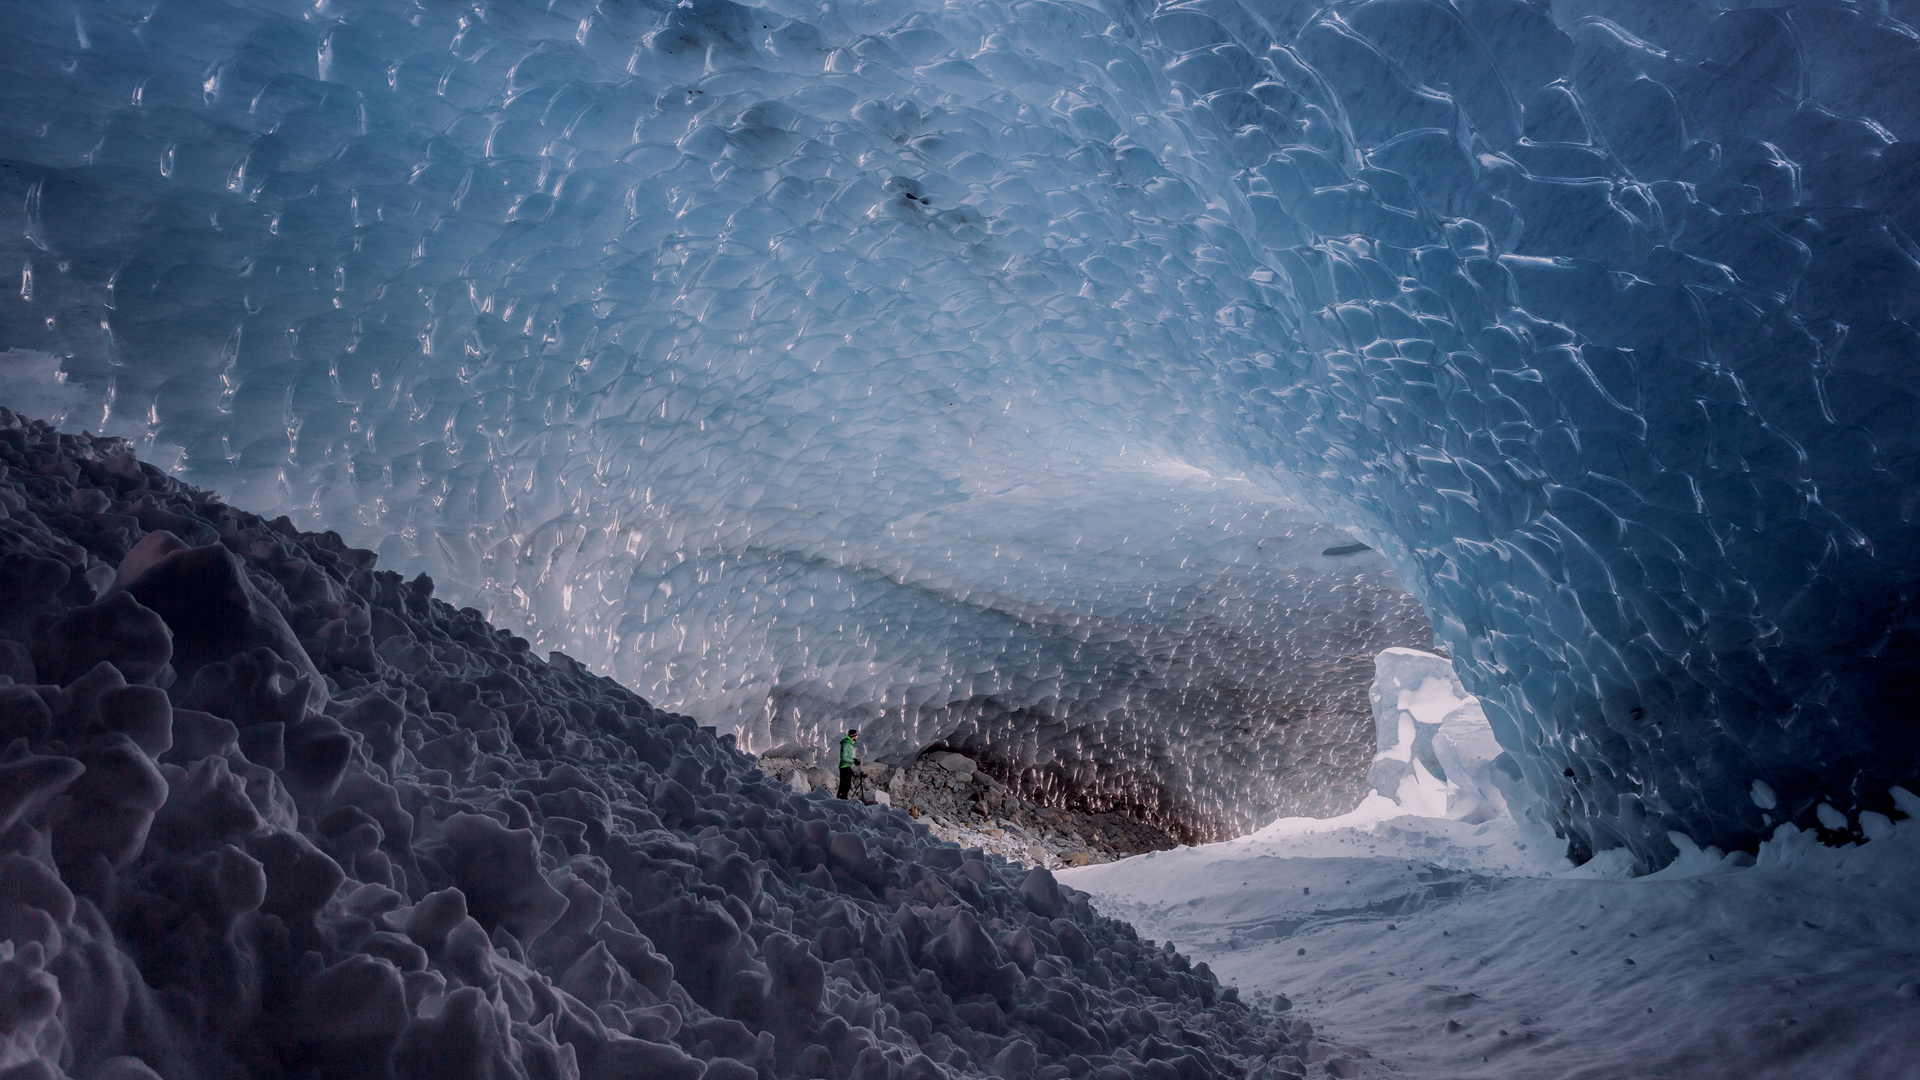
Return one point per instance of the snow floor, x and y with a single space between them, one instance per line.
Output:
1450 950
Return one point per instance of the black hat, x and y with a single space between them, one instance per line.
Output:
853 731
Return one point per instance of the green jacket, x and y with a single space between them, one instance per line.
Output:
847 760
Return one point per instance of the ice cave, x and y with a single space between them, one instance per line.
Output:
1380 496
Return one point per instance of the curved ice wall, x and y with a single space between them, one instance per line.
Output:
911 361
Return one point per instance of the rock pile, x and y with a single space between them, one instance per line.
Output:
266 811
962 803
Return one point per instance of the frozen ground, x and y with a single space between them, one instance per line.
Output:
1453 950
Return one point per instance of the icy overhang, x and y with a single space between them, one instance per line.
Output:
1595 320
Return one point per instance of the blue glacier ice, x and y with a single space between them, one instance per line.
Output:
1000 373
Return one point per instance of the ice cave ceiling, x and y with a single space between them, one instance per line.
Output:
990 372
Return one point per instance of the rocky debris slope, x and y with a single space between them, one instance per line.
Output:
960 802
266 811
700 270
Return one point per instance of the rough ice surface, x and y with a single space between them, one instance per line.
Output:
269 812
758 468
1432 736
743 349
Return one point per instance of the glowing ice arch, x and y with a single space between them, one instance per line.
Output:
1595 320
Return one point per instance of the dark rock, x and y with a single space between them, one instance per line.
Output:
350 1018
1043 894
118 630
264 744
214 611
698 937
27 783
254 687
23 715
635 1059
28 581
16 662
142 713
379 720
317 753
300 877
207 806
467 1040
197 734
112 804
499 871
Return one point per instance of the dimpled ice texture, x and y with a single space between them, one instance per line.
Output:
897 358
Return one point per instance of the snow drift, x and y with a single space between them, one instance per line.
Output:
1440 931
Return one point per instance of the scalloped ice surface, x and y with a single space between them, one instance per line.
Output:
932 366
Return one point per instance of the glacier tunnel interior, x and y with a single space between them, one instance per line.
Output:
1079 384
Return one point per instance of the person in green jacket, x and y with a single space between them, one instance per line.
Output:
848 761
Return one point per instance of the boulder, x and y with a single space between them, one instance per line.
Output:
958 764
213 611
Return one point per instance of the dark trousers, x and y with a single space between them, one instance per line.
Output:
846 780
